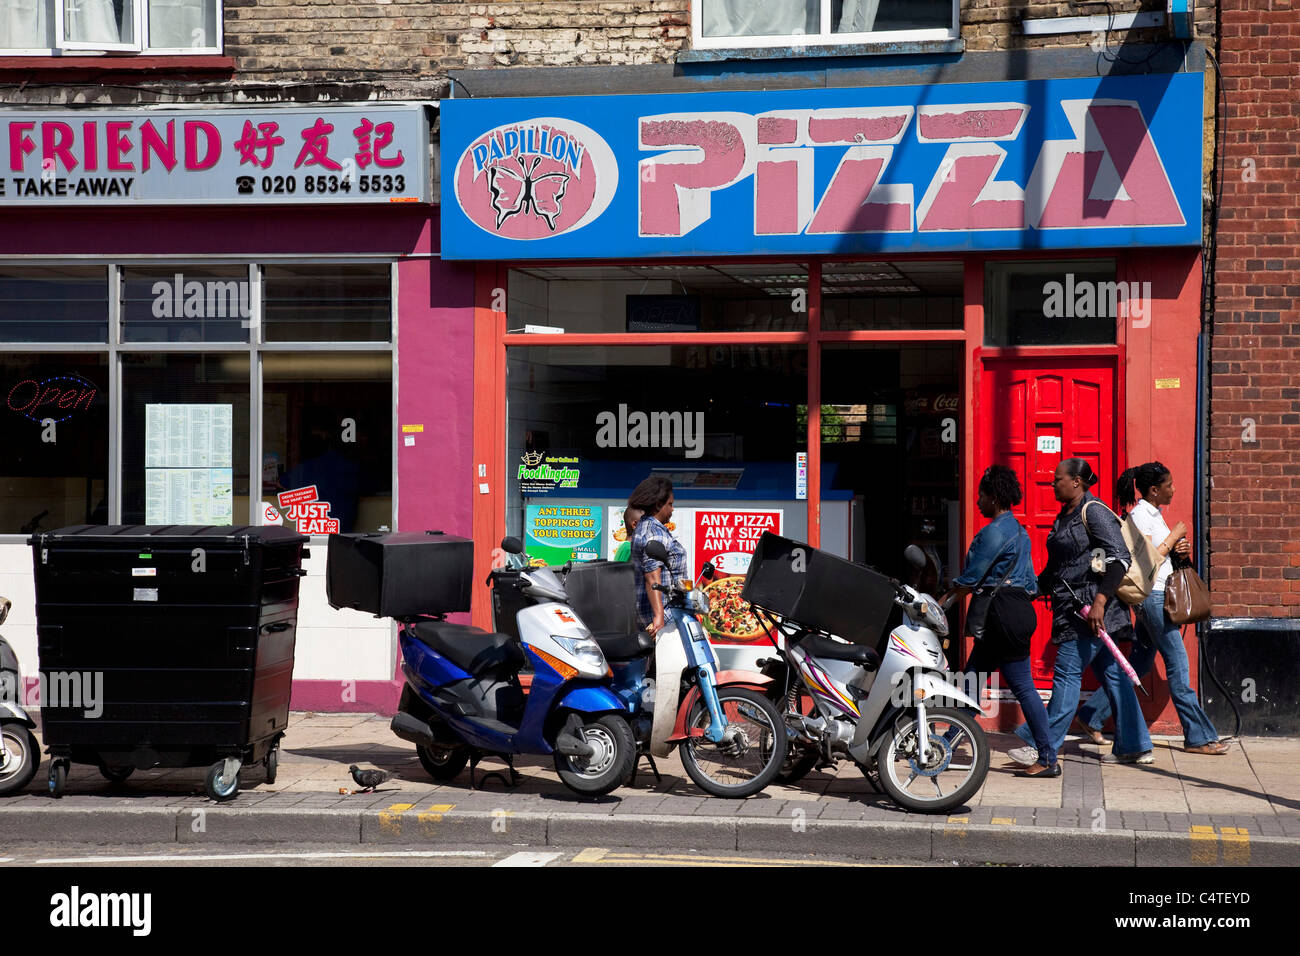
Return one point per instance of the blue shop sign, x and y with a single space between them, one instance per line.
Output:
1035 164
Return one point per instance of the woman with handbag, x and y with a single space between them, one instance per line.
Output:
1001 614
1086 561
1156 630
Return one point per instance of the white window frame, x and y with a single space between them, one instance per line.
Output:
825 38
140 25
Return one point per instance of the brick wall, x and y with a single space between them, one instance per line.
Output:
1254 516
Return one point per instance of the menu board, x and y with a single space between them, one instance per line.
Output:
562 532
188 471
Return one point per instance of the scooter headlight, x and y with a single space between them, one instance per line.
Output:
587 653
933 616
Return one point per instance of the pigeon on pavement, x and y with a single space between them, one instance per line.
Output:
368 779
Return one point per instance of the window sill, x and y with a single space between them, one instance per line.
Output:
899 48
62 65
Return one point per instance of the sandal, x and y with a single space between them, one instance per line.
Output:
1216 748
1087 733
1038 770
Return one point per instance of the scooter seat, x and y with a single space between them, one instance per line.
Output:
471 648
624 646
819 646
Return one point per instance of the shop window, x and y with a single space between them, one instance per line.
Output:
62 304
891 423
337 303
187 304
1058 303
185 435
743 297
327 422
124 26
54 470
891 295
587 424
797 23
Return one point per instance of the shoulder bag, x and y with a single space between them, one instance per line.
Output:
978 611
1144 560
1187 599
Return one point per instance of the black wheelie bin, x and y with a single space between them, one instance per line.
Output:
166 646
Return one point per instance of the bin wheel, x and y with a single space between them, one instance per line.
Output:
116 775
272 764
219 787
58 778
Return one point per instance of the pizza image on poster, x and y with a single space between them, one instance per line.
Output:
727 539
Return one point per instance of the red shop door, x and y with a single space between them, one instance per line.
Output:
1035 413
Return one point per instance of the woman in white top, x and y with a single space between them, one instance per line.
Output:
1155 631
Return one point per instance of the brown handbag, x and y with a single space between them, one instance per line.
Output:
1187 599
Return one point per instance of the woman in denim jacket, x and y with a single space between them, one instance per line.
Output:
999 570
1085 565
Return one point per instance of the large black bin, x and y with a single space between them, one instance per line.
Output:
400 574
166 646
818 590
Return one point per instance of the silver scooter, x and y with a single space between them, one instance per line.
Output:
867 708
20 755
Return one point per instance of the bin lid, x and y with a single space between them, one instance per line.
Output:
134 534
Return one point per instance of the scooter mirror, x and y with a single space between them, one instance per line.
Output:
512 546
656 550
708 571
914 556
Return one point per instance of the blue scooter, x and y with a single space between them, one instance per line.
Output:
463 698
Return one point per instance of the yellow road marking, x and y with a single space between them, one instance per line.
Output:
1236 845
391 819
959 819
433 815
1004 821
1204 844
695 860
589 855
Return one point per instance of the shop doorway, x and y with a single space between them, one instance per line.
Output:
1033 413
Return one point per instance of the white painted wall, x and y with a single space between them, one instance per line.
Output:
332 645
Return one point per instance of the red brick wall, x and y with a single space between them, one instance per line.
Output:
1254 514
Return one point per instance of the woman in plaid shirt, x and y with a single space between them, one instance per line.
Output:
654 496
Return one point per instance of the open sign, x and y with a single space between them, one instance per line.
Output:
44 399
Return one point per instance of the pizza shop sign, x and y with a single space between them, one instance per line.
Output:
1052 163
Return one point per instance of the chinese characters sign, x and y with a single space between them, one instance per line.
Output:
1059 163
363 154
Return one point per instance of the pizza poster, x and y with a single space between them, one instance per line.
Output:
727 539
554 534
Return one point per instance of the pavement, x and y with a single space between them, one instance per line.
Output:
1185 810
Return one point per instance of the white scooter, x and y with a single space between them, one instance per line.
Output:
20 755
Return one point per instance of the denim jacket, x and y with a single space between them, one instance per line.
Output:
1070 547
990 545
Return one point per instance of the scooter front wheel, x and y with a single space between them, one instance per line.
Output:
22 756
611 762
751 753
957 761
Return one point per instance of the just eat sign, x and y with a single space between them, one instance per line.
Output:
1044 164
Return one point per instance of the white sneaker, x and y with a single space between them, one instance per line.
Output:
1026 756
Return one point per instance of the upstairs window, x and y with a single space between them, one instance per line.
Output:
794 23
46 27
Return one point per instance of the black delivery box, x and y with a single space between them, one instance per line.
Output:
400 574
811 587
186 634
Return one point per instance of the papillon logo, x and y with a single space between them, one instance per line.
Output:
536 179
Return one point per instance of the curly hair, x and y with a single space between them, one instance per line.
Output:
1001 485
651 495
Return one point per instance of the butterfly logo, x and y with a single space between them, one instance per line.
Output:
514 193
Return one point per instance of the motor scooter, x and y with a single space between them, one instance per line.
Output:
463 698
20 755
892 714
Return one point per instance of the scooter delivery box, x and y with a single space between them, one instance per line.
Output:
400 574
818 590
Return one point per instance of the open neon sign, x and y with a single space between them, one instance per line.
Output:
58 393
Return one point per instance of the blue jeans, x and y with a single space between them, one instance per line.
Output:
1020 679
1157 632
1072 657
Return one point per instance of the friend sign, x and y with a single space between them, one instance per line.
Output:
1062 163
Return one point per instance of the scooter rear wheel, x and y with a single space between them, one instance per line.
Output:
22 757
611 763
445 765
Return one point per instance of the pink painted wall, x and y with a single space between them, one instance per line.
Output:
435 337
